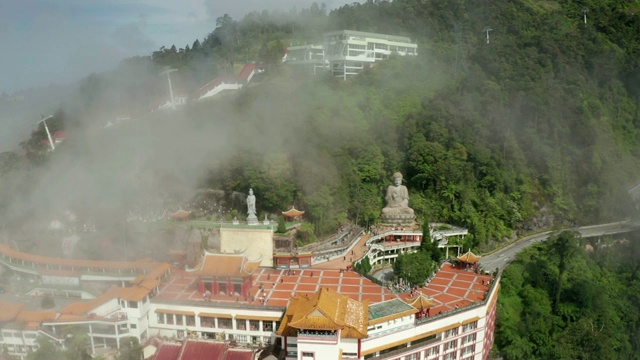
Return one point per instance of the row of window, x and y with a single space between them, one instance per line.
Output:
465 328
223 323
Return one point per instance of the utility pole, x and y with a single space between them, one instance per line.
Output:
460 52
487 29
44 121
167 72
584 15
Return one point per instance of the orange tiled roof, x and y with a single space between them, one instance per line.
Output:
421 302
9 310
36 316
469 257
77 263
326 310
181 214
233 265
83 307
133 293
293 212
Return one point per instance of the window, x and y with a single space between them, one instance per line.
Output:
432 351
160 318
133 304
450 345
241 338
225 323
267 325
170 319
469 338
467 351
470 326
450 356
254 325
450 333
241 324
266 340
191 320
308 355
413 356
179 320
292 350
134 326
180 334
207 322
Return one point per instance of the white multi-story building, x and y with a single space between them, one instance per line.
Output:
301 314
346 53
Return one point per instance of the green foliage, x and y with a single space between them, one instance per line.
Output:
363 266
47 302
414 268
487 136
282 226
597 311
46 350
428 245
305 234
130 349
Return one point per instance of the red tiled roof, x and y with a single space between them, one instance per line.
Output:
39 260
168 352
238 355
246 71
9 310
233 265
202 350
60 134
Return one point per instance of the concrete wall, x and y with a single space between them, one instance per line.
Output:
255 243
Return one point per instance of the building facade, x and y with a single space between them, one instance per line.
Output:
305 313
346 53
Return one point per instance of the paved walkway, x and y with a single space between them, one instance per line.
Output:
358 250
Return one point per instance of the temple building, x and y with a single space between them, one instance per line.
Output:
230 302
225 274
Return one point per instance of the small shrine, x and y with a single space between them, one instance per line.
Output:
181 215
469 259
293 215
422 303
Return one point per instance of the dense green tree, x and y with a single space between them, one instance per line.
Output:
46 350
130 349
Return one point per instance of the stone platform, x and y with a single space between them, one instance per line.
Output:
397 219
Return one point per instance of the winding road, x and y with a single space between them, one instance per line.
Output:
504 256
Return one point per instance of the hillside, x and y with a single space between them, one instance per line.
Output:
538 127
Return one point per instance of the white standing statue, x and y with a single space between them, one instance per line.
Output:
252 219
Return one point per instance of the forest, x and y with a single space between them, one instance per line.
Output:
536 128
560 301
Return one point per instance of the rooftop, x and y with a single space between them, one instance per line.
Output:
449 287
388 308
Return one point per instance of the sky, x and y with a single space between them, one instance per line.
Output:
60 41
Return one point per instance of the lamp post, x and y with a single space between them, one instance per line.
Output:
584 15
44 121
486 30
167 72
